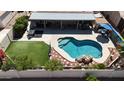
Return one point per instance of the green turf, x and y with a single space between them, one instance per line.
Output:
37 51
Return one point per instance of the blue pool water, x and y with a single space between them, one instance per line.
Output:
77 48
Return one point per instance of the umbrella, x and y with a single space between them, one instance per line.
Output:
106 26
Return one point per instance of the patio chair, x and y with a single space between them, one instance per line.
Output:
30 34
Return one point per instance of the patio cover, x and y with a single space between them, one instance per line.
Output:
61 16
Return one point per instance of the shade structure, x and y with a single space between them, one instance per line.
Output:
61 16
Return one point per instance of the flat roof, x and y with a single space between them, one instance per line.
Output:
61 16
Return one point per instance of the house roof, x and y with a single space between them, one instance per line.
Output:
62 16
121 14
2 12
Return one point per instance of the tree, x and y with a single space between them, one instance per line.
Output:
22 20
20 26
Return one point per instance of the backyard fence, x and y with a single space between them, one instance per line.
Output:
60 74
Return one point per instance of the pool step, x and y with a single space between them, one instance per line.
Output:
63 43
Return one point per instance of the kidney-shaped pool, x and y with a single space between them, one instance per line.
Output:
77 48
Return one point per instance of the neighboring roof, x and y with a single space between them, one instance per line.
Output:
98 15
62 16
121 14
2 12
100 18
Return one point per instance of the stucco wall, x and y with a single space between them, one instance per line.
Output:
6 38
59 74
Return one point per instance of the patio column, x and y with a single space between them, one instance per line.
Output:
44 24
77 24
61 25
93 24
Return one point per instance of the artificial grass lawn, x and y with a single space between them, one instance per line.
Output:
36 51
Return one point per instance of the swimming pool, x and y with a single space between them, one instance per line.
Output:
77 48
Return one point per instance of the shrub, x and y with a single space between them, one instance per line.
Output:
53 65
91 78
99 66
20 26
7 66
23 62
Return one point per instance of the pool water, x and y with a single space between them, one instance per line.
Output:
77 48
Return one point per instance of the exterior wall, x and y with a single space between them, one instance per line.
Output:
6 40
59 74
5 18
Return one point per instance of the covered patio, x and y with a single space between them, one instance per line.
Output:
61 20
